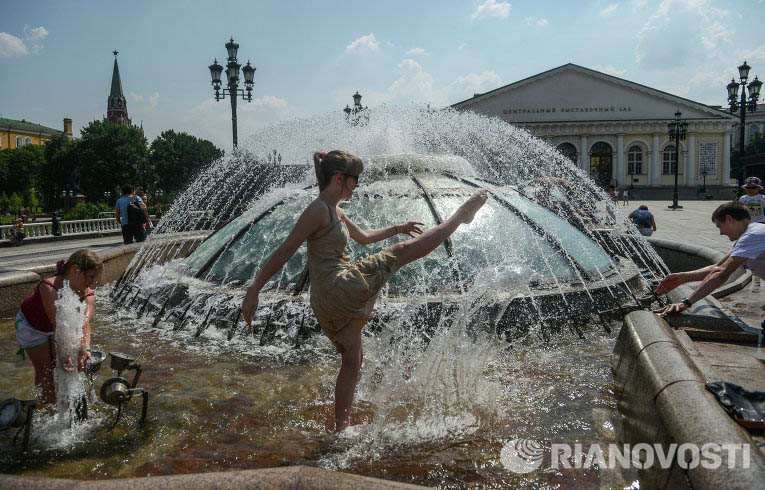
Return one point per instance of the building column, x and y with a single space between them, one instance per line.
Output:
726 160
584 154
691 163
655 160
619 171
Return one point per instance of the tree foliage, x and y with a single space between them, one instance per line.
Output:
103 159
178 157
109 156
20 168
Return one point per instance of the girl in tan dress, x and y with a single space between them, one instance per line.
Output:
343 293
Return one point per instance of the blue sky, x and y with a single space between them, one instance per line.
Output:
56 61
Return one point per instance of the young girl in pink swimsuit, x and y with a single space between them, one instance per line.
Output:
343 293
36 320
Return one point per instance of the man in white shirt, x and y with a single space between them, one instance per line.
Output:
753 200
733 221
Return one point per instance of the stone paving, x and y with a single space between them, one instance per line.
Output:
30 255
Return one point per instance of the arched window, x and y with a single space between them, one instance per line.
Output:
27 140
635 160
568 150
19 142
669 163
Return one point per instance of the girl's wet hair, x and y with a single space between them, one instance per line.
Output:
335 162
85 259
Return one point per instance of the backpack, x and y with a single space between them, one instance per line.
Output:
135 213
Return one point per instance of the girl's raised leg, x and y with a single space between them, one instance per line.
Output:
418 247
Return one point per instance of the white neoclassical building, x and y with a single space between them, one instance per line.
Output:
615 129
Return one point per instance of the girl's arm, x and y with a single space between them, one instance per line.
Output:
306 225
371 236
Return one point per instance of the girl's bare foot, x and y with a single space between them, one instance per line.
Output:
469 208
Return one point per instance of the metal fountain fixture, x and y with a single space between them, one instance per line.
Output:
117 391
16 413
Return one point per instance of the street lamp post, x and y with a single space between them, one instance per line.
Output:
232 76
704 173
678 130
356 115
742 106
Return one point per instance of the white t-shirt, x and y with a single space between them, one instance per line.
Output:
756 205
751 245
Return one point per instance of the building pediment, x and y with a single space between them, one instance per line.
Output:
573 93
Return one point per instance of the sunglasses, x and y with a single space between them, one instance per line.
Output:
351 176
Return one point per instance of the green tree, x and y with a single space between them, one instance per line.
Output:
177 157
59 171
21 167
109 156
5 203
32 200
15 203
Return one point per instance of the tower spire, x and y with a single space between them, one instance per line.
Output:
116 105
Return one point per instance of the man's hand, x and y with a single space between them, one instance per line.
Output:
669 283
673 308
250 305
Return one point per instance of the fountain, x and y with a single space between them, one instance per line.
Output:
503 332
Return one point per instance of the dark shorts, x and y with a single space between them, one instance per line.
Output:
133 232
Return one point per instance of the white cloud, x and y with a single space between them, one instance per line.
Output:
609 11
134 97
414 79
476 83
462 46
491 9
11 46
415 52
610 70
211 120
673 34
535 21
154 99
364 44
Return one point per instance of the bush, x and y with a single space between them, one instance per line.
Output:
86 210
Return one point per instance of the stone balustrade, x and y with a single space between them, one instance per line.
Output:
73 227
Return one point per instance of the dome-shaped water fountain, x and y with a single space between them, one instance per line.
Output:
535 267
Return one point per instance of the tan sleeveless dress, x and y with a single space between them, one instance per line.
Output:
343 294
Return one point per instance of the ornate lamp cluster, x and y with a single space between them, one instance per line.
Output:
232 80
356 115
742 105
678 130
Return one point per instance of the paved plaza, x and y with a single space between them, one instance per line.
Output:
30 255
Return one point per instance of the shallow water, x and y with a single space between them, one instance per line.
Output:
442 423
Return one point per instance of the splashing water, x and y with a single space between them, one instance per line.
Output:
70 381
423 387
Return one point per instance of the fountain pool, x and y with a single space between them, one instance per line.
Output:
215 408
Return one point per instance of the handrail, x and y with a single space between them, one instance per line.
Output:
72 227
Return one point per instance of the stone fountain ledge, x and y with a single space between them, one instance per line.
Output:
659 379
17 285
294 477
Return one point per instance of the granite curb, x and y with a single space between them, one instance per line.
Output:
293 477
661 393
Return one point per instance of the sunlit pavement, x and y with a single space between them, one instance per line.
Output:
30 254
